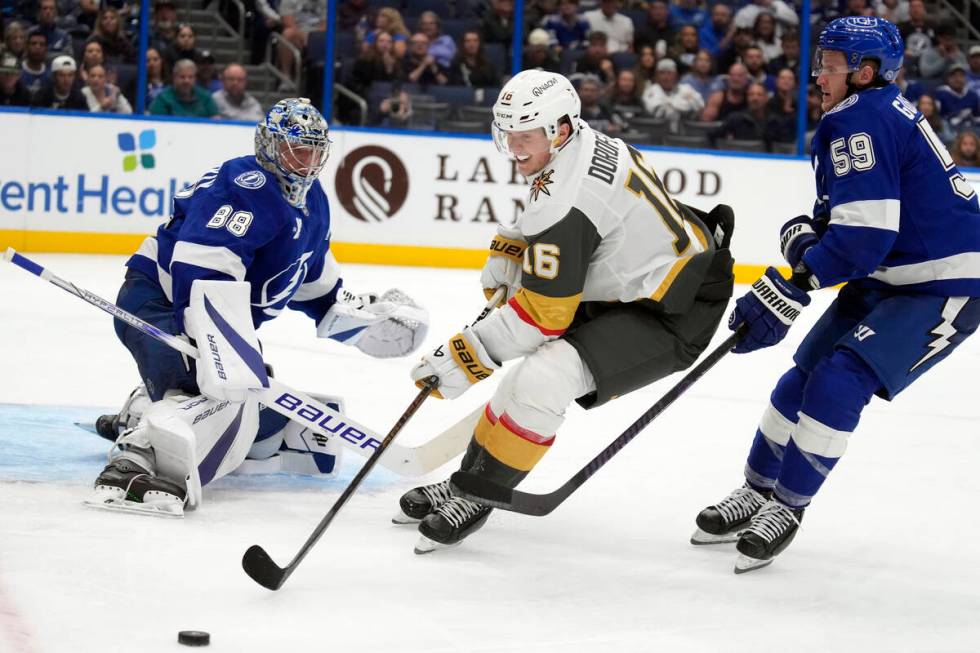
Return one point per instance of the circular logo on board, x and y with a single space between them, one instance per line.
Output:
372 183
252 179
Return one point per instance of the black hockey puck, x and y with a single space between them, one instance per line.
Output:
193 638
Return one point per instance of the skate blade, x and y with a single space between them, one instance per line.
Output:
745 564
700 538
402 519
113 499
425 545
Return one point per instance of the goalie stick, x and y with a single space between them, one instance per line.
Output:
296 405
260 566
476 488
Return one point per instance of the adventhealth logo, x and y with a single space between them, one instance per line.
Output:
127 143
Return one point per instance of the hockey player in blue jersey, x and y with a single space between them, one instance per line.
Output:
248 240
894 221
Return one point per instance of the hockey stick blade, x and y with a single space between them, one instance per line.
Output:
475 488
262 569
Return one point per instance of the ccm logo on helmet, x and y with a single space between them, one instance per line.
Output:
538 90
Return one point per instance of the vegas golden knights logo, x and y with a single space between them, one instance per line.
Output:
541 183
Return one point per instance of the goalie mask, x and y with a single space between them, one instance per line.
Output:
292 144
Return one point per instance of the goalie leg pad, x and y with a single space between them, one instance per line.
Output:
286 446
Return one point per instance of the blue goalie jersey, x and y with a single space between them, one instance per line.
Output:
234 224
900 214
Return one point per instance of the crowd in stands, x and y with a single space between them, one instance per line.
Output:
721 73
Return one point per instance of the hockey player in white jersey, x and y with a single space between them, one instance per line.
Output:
611 285
897 223
248 240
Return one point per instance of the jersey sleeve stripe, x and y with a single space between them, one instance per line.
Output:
958 266
323 284
220 259
878 214
664 286
549 315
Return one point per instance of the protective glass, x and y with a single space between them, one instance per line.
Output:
817 68
530 142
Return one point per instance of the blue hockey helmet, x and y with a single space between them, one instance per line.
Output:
292 143
860 38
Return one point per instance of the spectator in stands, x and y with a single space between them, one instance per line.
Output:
617 27
743 40
966 149
957 103
233 100
157 77
919 34
685 48
389 20
100 95
566 28
595 61
111 34
420 67
729 94
755 63
351 14
442 47
538 54
766 39
497 25
471 66
814 109
911 90
185 97
790 57
701 77
163 25
784 14
751 123
35 71
927 105
395 110
60 92
716 35
669 99
593 112
973 75
299 18
895 11
782 108
92 55
184 46
626 91
15 40
207 76
58 40
13 93
377 64
645 69
687 12
858 8
536 11
935 61
657 33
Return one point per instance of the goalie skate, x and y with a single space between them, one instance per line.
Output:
125 486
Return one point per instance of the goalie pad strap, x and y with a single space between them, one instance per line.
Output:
509 248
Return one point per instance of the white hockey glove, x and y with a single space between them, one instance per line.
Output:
458 364
219 319
504 265
384 327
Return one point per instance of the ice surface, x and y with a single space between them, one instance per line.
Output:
887 559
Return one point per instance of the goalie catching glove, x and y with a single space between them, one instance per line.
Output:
458 364
504 265
384 327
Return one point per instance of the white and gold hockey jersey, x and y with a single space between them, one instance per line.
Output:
599 226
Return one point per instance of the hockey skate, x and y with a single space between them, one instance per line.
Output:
127 486
726 520
450 524
772 529
419 502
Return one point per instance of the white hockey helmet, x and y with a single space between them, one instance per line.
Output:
533 99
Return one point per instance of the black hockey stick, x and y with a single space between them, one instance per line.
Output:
260 566
257 563
483 491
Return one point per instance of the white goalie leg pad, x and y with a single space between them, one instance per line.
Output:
295 449
219 319
536 393
196 440
388 326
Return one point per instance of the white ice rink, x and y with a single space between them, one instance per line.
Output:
887 559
